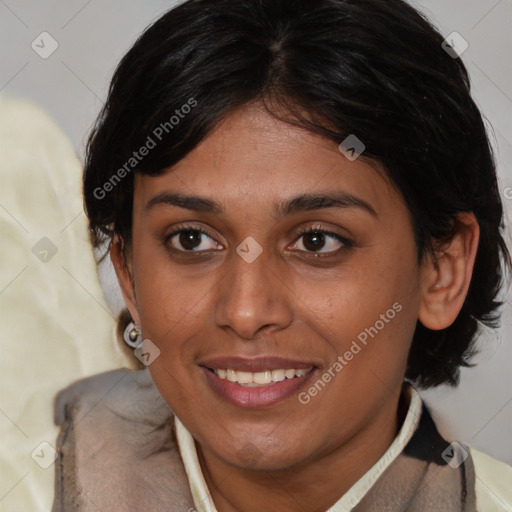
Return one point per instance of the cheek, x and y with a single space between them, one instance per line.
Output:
167 306
372 314
368 289
167 293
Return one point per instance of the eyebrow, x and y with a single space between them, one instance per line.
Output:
301 203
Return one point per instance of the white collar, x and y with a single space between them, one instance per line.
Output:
203 501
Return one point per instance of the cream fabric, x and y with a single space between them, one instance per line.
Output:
55 326
493 483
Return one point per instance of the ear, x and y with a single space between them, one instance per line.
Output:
446 280
124 274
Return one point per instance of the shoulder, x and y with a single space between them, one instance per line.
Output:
493 483
124 405
117 443
117 393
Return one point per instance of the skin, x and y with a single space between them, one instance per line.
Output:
286 303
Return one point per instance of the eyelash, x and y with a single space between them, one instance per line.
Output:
347 244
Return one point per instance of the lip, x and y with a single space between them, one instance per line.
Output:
258 396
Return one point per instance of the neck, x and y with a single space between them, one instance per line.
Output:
315 486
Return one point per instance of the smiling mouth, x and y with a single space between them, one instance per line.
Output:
259 379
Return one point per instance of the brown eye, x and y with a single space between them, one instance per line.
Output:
191 240
321 242
314 241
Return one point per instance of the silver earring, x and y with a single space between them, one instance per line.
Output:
132 335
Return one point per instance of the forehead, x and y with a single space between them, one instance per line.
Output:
253 157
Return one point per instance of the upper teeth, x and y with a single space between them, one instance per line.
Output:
259 378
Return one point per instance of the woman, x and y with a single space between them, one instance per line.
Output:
301 206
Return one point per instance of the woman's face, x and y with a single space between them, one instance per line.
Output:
252 297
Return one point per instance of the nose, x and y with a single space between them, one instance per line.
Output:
253 297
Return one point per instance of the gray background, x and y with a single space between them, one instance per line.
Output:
72 83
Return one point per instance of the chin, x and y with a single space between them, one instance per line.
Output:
264 456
